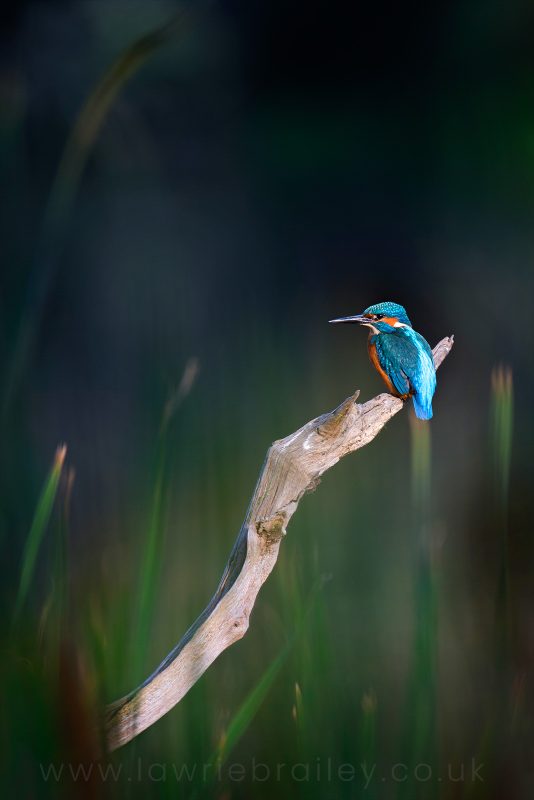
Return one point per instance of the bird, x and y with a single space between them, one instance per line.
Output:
401 356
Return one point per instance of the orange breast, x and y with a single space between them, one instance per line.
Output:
376 363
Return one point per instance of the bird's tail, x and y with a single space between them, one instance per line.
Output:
422 410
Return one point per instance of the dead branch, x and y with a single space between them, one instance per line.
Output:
293 466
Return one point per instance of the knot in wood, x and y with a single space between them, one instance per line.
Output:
239 626
272 529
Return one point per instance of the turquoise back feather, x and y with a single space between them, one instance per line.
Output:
407 359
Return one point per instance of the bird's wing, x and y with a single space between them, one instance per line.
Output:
408 361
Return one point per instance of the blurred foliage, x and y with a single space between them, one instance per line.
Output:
38 528
269 168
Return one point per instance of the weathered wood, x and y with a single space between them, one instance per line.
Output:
293 466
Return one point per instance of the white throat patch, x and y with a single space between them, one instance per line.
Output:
370 325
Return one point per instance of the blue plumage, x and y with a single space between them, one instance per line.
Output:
401 355
389 309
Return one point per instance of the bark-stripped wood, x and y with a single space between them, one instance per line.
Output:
293 466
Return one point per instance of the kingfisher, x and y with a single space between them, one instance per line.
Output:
401 356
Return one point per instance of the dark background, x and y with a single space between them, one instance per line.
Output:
268 167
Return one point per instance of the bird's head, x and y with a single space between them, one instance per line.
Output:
381 318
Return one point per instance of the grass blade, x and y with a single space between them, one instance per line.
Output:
59 589
154 544
150 567
502 410
249 708
245 714
420 733
78 147
37 529
502 413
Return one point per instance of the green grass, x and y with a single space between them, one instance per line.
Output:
75 155
326 692
363 673
245 714
154 546
420 714
502 420
37 530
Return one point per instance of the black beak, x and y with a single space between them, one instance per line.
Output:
359 318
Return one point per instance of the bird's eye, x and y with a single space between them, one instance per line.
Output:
378 316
